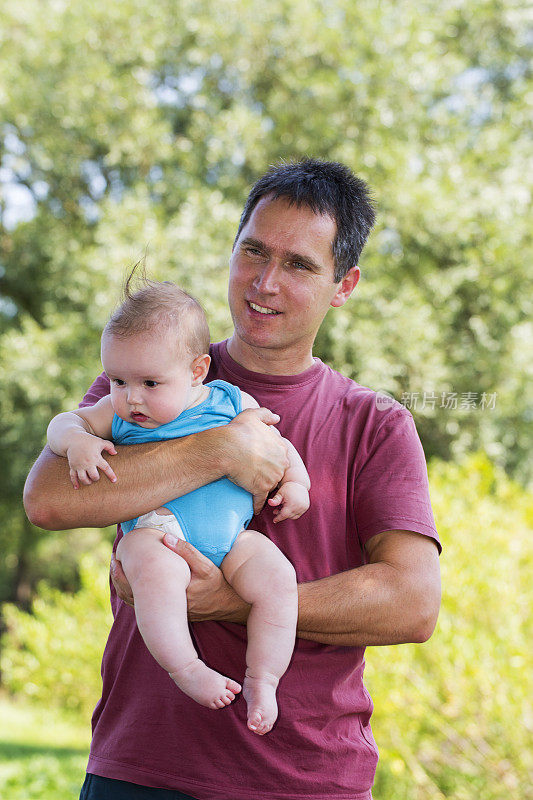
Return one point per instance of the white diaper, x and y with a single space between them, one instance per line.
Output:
166 523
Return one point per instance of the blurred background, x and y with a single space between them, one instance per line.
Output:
131 128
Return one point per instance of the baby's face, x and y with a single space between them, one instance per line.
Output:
151 382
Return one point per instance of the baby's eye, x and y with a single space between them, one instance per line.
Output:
119 382
150 384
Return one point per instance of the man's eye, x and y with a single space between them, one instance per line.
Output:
253 251
150 384
299 265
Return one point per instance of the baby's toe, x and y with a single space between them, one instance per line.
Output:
255 721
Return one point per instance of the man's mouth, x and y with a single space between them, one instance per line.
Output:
262 309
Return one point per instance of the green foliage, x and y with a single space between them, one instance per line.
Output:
453 716
43 755
51 655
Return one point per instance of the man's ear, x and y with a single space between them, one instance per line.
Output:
200 368
346 287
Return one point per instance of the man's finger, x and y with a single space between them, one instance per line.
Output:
120 582
259 502
267 416
198 563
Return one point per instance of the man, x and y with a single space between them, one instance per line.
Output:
366 552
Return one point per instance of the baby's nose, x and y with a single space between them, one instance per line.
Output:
133 396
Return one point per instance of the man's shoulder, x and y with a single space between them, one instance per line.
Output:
99 388
362 398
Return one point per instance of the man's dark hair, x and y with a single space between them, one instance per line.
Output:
327 187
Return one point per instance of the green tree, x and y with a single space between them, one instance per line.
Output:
45 659
125 128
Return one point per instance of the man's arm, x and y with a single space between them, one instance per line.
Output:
392 599
247 451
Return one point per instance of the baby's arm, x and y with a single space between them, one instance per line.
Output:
292 495
77 435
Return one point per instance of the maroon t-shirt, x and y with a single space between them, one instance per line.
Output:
368 475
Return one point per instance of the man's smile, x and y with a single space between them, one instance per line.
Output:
262 309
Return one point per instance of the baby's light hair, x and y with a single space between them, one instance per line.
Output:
159 306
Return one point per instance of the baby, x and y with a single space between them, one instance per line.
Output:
154 351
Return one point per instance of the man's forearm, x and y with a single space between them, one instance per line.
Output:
393 600
362 607
247 450
148 475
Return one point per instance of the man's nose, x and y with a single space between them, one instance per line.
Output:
267 279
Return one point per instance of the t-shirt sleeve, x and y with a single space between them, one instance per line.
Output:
391 487
96 391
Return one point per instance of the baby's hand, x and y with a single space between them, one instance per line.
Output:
293 499
85 459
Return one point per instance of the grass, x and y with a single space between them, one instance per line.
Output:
43 754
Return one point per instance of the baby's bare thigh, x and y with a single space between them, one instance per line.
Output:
143 550
253 550
138 540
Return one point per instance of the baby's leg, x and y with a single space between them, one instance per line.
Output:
159 579
262 576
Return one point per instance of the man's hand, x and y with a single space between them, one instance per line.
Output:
120 582
256 453
209 596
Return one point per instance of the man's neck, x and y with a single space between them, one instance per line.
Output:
269 361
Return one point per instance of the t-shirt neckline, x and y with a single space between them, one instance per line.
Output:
240 373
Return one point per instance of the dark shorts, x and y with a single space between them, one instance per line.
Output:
97 788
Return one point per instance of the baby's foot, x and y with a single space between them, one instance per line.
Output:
207 687
260 696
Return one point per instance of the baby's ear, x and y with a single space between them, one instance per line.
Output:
200 368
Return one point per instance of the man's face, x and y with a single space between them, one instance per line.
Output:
281 282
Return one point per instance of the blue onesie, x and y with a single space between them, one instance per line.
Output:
212 516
